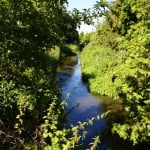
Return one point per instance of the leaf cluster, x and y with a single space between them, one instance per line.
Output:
116 63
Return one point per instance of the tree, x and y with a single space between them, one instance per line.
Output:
28 84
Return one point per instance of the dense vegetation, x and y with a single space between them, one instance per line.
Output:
29 95
116 63
35 36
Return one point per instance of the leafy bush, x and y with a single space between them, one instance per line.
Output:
119 67
95 62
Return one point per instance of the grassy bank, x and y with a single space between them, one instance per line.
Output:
116 63
96 62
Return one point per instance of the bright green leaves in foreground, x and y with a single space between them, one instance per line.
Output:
29 29
31 114
118 65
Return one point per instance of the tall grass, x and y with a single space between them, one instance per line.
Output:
96 62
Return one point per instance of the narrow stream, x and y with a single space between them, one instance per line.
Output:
85 106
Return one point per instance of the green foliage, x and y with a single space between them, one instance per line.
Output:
96 70
32 116
84 39
24 101
29 32
134 84
117 65
68 50
65 138
87 15
95 143
115 62
106 37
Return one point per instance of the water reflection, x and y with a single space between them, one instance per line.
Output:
88 106
82 106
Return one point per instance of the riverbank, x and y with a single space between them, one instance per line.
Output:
82 106
115 62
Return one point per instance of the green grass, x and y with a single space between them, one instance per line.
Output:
96 62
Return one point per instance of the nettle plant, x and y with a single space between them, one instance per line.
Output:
56 136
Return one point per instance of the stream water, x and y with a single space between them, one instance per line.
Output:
84 105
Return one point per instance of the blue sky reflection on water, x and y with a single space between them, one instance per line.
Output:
85 106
